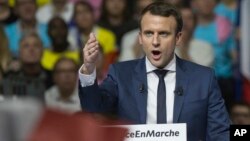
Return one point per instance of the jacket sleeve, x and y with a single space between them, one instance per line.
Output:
218 122
102 98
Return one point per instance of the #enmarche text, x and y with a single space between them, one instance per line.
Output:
152 133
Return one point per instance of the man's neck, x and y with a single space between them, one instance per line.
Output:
85 31
115 20
28 24
65 94
60 47
206 19
32 69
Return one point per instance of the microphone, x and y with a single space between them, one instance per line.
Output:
178 91
141 88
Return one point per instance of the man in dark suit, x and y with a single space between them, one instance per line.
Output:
159 88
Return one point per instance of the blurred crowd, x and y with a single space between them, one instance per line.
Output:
41 46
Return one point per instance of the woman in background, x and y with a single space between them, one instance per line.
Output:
117 17
5 56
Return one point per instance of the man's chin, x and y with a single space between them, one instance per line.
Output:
157 63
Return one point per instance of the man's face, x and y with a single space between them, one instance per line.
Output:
240 115
26 9
158 38
188 19
204 7
65 76
115 7
84 17
31 50
58 31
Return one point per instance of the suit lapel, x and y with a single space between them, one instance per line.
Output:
181 83
140 89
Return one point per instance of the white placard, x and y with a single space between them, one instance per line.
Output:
157 132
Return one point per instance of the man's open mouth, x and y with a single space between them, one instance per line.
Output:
156 54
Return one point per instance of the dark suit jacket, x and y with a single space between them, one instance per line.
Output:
200 105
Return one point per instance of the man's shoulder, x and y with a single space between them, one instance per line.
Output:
194 67
127 64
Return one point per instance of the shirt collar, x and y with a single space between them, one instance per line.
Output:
171 66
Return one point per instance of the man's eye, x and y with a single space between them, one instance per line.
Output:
164 34
148 34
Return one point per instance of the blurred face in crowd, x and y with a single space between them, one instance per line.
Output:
65 75
59 3
84 17
115 7
26 9
240 115
3 2
188 19
204 7
31 50
58 30
141 4
158 37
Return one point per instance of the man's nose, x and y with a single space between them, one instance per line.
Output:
156 40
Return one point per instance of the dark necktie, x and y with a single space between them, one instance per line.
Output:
161 97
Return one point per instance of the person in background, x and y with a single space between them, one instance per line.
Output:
63 95
58 33
195 50
7 14
84 24
96 4
115 16
160 88
187 32
32 80
61 8
129 43
217 31
227 9
5 56
240 113
26 10
84 21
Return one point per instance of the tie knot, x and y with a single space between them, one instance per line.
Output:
160 73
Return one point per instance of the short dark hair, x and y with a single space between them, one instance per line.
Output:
62 59
239 103
26 35
163 9
85 4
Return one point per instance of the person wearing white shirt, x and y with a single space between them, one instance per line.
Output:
63 96
160 88
60 8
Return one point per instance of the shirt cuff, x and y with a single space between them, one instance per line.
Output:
86 80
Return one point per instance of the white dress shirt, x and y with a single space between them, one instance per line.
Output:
52 100
45 13
152 81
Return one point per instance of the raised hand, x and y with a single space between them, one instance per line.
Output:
90 54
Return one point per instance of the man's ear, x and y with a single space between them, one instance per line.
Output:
178 38
140 37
